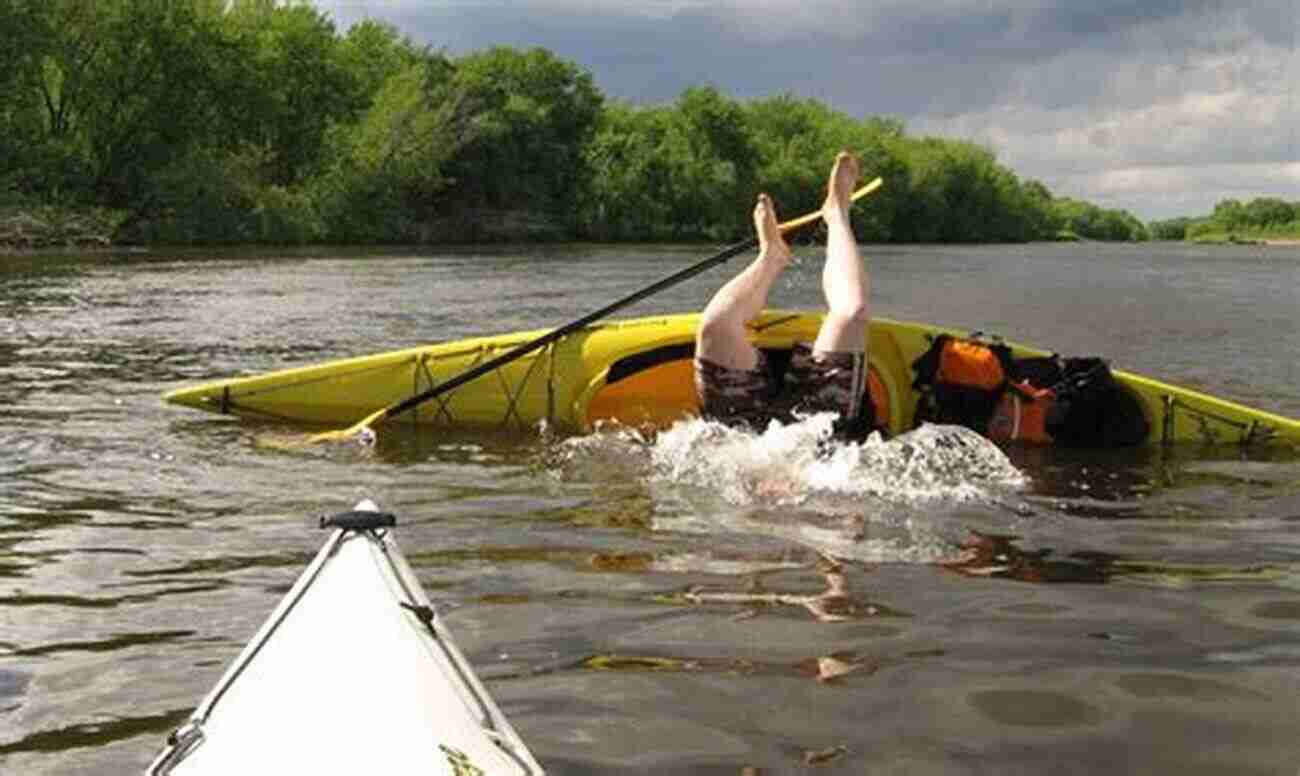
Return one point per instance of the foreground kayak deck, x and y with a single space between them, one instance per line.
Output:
352 673
639 372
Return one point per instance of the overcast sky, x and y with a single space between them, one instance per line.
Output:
1161 107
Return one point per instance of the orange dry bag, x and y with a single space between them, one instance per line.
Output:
1022 414
961 381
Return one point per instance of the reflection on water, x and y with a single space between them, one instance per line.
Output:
837 603
702 601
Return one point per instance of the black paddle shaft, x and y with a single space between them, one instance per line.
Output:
567 329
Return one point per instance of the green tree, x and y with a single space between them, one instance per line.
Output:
297 85
255 120
1229 214
686 170
956 191
373 52
22 50
150 96
1086 220
533 116
391 182
1267 212
123 88
1170 229
798 138
628 195
711 162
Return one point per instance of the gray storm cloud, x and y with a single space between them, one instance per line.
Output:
1161 107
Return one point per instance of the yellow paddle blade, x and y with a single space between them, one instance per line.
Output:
358 429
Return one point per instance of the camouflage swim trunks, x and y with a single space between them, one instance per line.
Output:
814 382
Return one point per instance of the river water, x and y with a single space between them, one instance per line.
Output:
1133 612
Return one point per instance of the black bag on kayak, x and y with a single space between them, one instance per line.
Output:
1072 402
1093 410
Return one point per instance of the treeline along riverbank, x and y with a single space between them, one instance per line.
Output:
235 121
1260 220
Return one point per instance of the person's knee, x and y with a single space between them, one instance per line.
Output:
713 328
858 314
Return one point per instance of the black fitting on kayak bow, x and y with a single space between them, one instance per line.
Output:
359 520
424 614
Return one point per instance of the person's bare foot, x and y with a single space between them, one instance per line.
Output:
771 243
839 189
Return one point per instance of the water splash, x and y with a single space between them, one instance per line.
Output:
797 464
877 501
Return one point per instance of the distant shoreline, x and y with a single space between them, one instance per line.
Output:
1235 239
45 229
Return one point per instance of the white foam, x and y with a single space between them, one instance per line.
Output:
879 501
796 463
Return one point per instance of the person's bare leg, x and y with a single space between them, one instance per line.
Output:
845 280
721 336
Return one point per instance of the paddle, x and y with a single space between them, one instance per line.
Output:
363 427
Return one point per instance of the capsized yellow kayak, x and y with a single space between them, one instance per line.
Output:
638 372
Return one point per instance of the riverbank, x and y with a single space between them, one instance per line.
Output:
27 229
30 229
1265 242
1287 239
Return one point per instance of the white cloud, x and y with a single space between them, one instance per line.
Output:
1147 126
1186 189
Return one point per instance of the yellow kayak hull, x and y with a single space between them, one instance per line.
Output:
638 372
